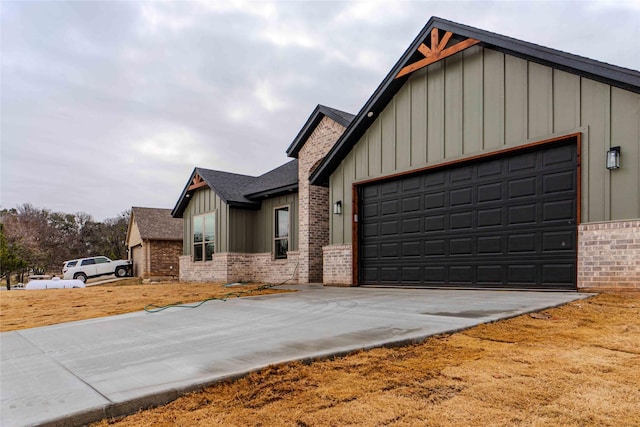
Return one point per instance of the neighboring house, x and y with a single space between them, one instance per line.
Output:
269 228
481 162
154 242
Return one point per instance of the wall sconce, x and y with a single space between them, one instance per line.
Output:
613 158
337 207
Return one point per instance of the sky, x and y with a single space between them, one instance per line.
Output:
105 105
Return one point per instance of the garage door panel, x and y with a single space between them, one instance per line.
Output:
559 241
412 249
522 214
558 182
522 187
463 246
490 192
389 228
412 275
557 155
522 274
460 197
490 169
503 222
459 175
435 201
435 223
411 204
560 210
434 248
369 210
411 225
490 245
462 220
522 163
490 275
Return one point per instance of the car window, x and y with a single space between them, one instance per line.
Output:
102 260
89 261
72 263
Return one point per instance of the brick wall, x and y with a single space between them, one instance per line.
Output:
609 256
313 207
163 258
236 267
337 265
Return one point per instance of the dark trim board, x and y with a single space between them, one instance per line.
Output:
545 266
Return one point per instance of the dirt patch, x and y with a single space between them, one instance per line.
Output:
575 365
21 309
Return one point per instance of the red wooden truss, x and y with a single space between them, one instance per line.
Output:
437 51
197 182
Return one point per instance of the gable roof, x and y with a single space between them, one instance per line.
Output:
242 191
312 122
277 181
156 224
609 74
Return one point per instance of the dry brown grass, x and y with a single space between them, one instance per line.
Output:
577 365
21 309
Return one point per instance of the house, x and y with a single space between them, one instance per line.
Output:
154 242
482 161
268 228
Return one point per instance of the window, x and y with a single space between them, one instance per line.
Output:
102 260
281 232
204 235
89 261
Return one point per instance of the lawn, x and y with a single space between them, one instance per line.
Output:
575 365
20 309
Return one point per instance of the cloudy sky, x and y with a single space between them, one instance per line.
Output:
108 105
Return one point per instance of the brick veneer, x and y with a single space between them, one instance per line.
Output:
163 260
235 267
337 265
313 209
609 256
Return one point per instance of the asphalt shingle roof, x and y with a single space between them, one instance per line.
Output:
157 224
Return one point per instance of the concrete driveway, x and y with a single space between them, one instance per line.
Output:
78 372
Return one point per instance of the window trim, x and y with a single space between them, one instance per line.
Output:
274 238
202 244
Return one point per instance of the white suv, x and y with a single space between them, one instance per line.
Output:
86 268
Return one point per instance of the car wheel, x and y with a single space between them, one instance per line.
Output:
121 271
80 276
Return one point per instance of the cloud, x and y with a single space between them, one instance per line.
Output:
106 105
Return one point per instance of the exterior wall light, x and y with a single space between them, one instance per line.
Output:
613 158
337 207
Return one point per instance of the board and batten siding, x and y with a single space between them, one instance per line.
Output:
205 200
481 100
264 223
240 230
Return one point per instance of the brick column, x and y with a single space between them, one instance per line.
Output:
313 209
609 256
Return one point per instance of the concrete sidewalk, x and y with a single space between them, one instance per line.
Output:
79 372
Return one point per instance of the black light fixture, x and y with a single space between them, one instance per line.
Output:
337 207
613 158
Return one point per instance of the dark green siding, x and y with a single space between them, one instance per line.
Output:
481 100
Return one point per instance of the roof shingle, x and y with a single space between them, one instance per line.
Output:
156 224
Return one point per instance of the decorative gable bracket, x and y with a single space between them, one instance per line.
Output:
437 51
197 182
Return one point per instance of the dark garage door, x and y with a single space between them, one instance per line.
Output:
502 222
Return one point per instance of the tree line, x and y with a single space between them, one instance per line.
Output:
36 241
